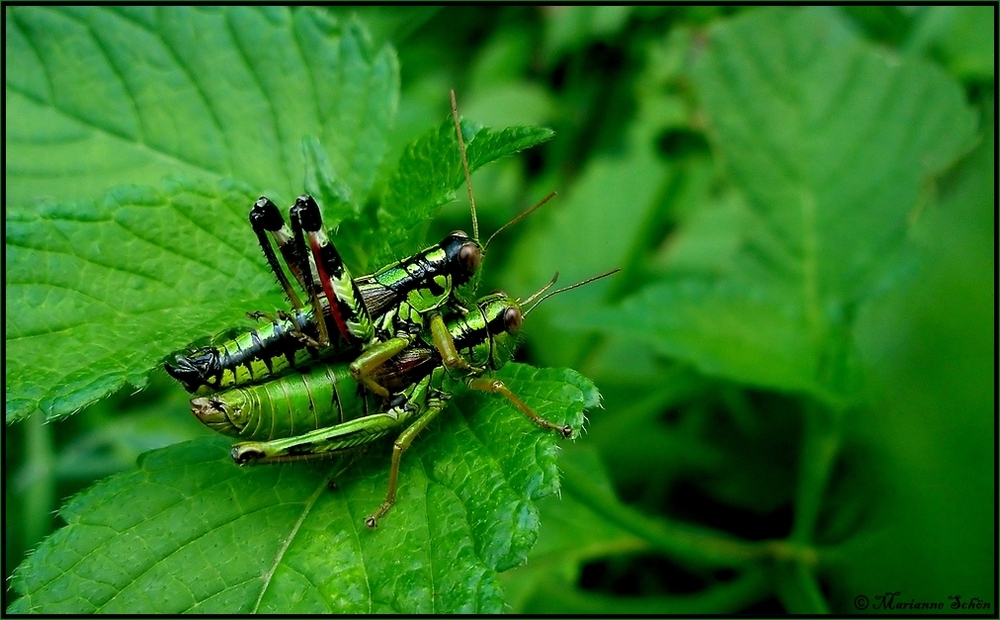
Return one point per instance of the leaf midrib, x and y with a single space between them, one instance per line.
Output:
306 510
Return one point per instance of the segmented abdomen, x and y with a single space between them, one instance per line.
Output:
251 357
285 407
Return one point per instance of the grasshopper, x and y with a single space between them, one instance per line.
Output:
376 316
484 335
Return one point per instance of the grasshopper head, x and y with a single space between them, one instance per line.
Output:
499 319
195 370
222 415
463 256
493 327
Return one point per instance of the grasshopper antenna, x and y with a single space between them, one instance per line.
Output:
465 164
518 218
563 289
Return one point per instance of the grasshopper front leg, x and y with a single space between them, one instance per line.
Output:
367 364
497 386
364 367
445 344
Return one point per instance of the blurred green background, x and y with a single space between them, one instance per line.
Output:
797 357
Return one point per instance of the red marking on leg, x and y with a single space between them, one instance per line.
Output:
328 291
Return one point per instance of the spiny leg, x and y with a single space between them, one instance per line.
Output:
310 284
266 218
433 406
298 323
320 443
496 386
260 315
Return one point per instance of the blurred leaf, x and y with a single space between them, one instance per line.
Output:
965 36
588 231
887 24
571 27
928 435
202 535
388 25
102 96
830 141
510 102
573 534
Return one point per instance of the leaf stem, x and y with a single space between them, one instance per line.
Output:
695 544
732 596
819 450
38 480
799 591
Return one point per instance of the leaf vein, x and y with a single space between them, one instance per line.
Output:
291 536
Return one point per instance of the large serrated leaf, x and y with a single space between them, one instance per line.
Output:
202 535
99 96
830 141
99 292
102 283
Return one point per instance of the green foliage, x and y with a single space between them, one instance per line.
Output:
796 359
201 535
148 265
829 144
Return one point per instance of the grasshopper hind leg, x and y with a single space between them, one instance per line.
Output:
265 218
435 404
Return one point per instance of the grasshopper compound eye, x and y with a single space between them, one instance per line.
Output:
470 257
464 253
512 320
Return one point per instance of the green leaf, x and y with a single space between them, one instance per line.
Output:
101 284
203 535
430 170
102 96
588 231
589 524
830 142
919 495
571 535
99 292
964 36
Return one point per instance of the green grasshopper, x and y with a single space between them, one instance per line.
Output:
379 314
484 335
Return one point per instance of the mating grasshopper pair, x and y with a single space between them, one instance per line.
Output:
396 332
